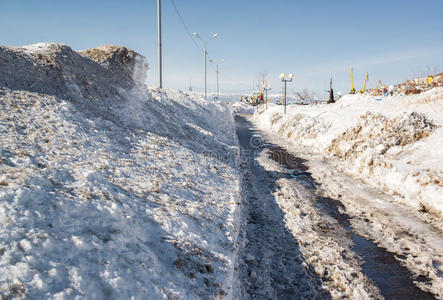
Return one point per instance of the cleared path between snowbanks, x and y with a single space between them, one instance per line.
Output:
283 196
393 143
271 265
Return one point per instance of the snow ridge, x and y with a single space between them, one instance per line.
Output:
108 189
393 143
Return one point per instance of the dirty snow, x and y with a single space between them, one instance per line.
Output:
324 243
415 239
107 189
270 264
110 189
403 137
393 143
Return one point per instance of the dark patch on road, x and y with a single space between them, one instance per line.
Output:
394 280
271 265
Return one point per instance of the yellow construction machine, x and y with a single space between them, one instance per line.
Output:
364 86
379 84
352 83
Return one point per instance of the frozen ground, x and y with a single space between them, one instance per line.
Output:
415 239
271 264
393 143
107 189
353 241
402 137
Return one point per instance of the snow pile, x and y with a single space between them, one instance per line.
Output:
378 133
107 189
395 143
414 238
419 85
57 70
239 108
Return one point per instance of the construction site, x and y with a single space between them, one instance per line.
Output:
304 97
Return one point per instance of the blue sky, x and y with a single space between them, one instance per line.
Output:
393 40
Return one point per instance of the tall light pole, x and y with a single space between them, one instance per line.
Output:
205 42
159 35
285 80
216 70
266 87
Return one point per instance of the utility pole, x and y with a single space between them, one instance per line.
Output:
218 90
206 80
159 34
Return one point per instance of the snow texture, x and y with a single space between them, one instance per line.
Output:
242 108
415 238
393 143
324 243
108 189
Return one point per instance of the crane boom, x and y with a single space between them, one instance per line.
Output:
376 89
352 82
366 80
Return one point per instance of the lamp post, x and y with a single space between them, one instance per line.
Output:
266 88
216 70
285 80
205 42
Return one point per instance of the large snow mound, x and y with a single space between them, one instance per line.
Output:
395 143
107 189
57 70
239 108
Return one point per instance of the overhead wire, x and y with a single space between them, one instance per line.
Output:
185 26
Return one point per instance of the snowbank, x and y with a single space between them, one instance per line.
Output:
395 143
239 108
107 189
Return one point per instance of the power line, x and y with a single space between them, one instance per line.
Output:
184 25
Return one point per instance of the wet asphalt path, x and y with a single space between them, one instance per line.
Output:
271 264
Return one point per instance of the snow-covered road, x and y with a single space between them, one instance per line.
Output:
271 264
310 231
110 189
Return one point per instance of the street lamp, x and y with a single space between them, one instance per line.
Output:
285 80
266 88
216 70
205 42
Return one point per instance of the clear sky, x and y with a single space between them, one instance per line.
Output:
393 40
